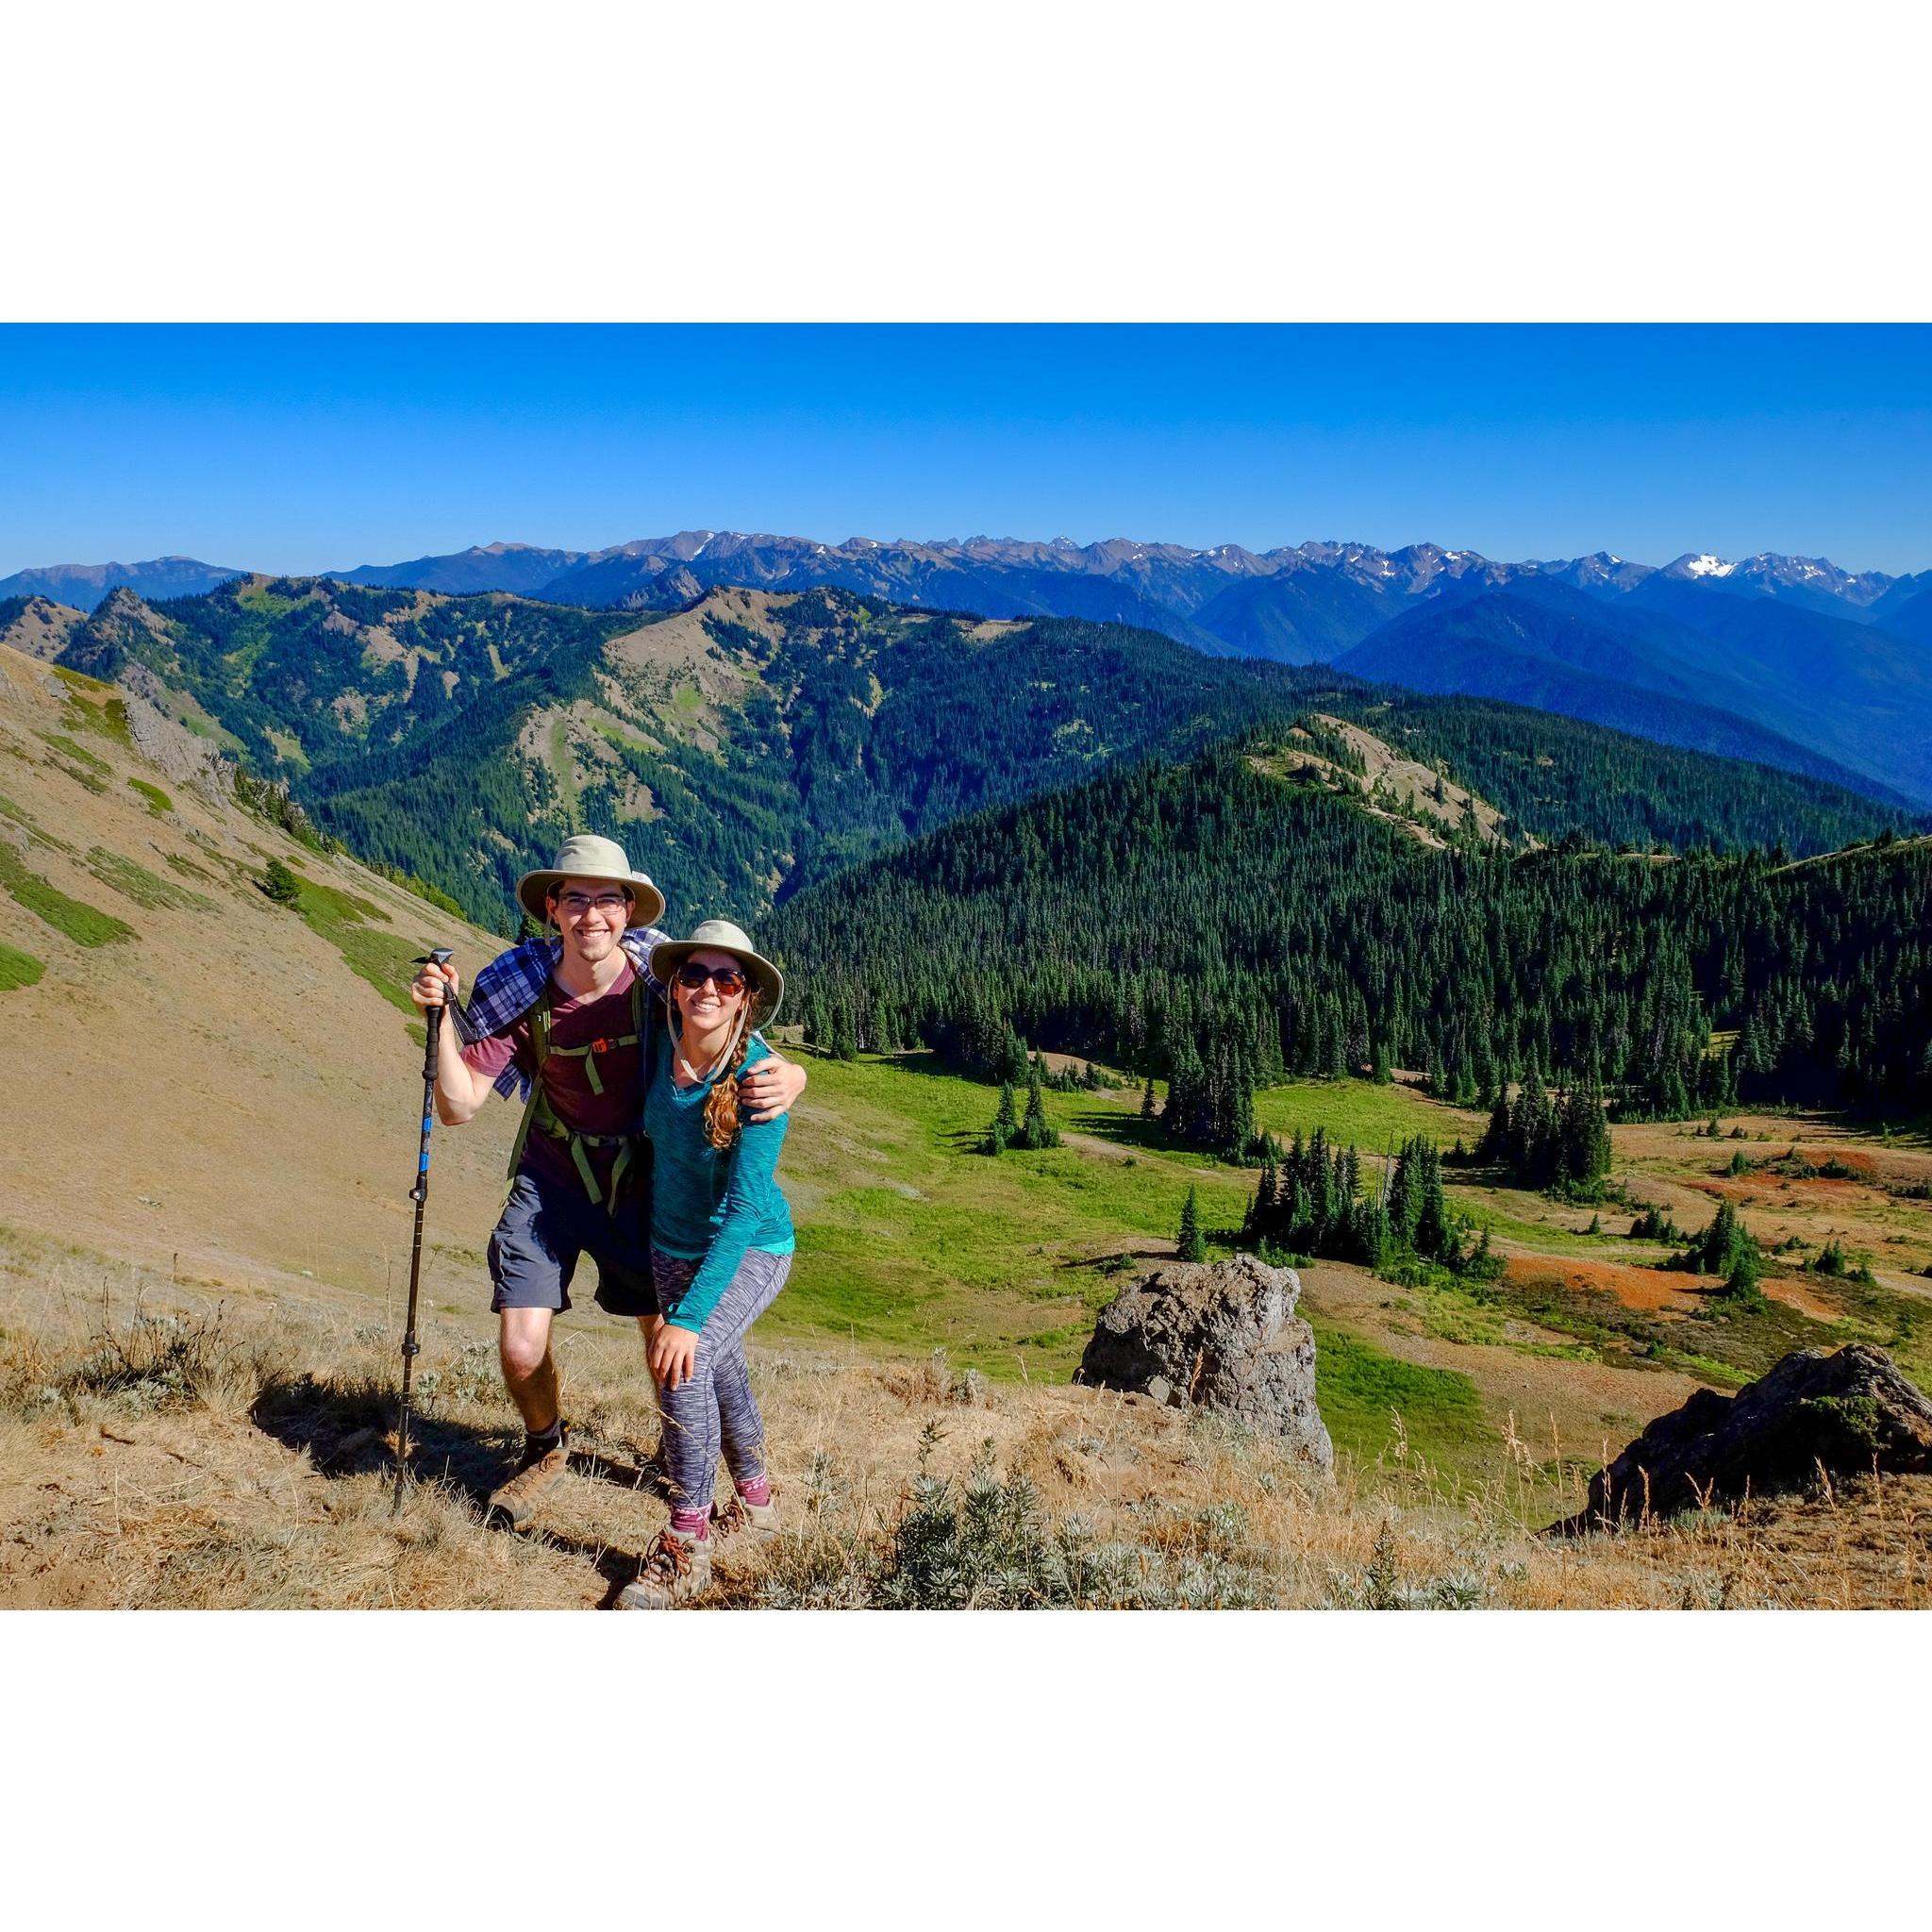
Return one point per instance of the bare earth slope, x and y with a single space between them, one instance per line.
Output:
216 1083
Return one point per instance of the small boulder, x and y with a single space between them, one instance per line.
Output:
1221 1336
1846 1413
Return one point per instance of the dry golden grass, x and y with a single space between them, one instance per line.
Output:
162 1449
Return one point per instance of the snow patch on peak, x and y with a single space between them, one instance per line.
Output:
1707 566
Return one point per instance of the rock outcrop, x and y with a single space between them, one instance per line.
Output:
178 753
1221 1336
1846 1413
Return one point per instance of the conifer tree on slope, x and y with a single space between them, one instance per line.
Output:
1192 1247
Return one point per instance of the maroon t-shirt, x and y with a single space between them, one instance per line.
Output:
620 1108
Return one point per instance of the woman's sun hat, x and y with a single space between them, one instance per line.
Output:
588 856
720 936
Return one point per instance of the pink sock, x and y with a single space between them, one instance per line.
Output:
757 1492
694 1522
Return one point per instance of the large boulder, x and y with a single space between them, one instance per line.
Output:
1221 1336
1846 1413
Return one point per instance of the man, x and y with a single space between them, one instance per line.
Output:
567 1019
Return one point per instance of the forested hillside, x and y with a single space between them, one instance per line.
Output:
1555 777
741 748
754 744
1208 921
748 747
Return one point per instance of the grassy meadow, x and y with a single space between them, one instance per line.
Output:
911 1238
173 1446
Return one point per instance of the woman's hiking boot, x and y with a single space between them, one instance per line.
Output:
513 1504
751 1520
676 1568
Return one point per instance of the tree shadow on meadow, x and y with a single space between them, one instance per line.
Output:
1118 1264
346 1424
1130 1130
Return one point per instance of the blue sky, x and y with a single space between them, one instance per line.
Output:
297 449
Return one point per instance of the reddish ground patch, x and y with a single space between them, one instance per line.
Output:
1818 1189
1650 1291
1744 1193
1795 1294
1767 1189
1845 1157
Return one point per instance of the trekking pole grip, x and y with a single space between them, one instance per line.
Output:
439 957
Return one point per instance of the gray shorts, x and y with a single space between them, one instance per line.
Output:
544 1230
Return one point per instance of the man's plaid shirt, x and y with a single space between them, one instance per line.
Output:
510 985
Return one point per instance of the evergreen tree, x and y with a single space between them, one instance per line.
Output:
1147 1101
1261 1215
1433 1239
1741 1283
1583 1154
1498 1141
1404 1201
1192 1246
1718 1249
1036 1130
1005 1123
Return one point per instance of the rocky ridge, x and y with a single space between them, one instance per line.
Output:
1813 1418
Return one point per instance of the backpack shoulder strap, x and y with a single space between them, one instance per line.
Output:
537 1105
539 1023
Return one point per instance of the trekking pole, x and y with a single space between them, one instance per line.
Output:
419 1194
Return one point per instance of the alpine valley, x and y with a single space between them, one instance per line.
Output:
1535 956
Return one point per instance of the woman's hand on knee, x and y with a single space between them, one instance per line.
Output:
673 1353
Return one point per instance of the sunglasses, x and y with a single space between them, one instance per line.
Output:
726 978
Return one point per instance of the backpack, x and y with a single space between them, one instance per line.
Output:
633 1149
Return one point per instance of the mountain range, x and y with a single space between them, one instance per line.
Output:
1283 602
1787 661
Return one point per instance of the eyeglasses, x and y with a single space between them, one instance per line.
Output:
726 978
577 905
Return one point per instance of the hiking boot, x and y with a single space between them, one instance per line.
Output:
751 1520
513 1504
676 1568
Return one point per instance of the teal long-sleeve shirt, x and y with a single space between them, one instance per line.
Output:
705 1206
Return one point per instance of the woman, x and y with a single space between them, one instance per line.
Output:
721 1248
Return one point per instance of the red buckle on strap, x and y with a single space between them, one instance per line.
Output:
602 1045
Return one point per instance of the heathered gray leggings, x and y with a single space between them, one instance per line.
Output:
715 1407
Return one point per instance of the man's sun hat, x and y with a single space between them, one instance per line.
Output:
720 936
587 856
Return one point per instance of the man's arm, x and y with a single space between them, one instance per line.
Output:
771 1089
461 1090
